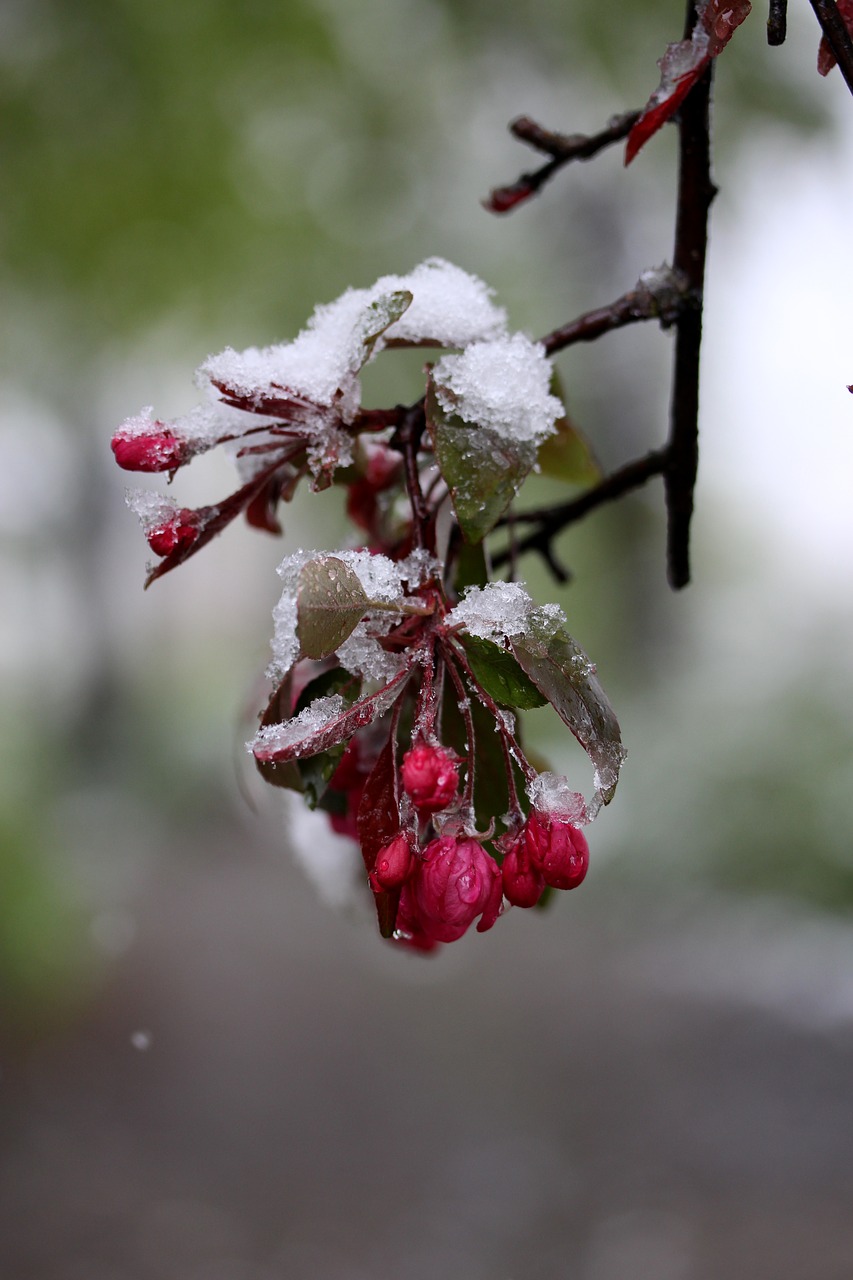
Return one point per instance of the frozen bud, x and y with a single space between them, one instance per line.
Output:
393 864
179 531
430 777
153 451
456 882
557 849
382 465
523 884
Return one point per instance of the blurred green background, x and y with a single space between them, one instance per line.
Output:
178 177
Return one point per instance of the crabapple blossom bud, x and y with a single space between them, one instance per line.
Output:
523 884
557 849
153 451
456 882
430 777
180 530
394 864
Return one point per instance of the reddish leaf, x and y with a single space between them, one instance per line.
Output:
295 739
826 59
683 64
378 824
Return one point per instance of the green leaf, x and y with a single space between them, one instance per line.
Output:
380 315
500 675
330 603
482 470
564 674
567 455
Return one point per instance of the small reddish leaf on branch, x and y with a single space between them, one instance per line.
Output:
683 64
826 59
378 826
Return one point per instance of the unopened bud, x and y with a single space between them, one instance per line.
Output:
557 849
430 777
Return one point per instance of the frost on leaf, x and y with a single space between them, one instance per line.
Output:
322 724
564 675
683 64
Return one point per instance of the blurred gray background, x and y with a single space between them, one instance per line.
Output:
206 1072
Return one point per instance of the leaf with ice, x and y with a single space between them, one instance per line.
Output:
323 724
330 603
563 673
683 63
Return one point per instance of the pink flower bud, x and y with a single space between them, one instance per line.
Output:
523 885
430 777
154 451
558 849
394 864
456 882
180 530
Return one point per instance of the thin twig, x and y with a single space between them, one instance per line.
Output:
695 193
777 22
665 302
563 149
838 37
552 520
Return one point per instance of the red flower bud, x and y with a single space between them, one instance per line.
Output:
393 865
557 849
430 777
456 882
179 530
155 451
523 885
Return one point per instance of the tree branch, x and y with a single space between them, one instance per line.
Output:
563 149
837 36
777 22
695 193
552 520
661 294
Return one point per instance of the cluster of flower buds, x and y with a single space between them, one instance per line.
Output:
398 669
442 875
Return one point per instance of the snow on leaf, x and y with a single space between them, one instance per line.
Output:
683 64
330 603
323 724
563 673
482 471
381 313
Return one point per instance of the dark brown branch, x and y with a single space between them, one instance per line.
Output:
563 149
407 438
837 36
777 22
552 520
663 298
695 193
